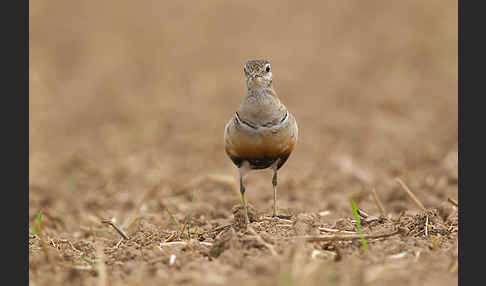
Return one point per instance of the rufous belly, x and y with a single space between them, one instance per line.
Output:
262 146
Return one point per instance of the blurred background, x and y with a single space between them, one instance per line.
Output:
126 96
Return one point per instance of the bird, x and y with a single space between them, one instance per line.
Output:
262 133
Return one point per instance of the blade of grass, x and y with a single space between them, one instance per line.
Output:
189 232
175 222
37 230
37 223
184 226
193 204
358 224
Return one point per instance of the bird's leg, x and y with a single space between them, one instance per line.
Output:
274 183
243 199
275 203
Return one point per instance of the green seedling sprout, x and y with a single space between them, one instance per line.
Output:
358 224
37 223
175 222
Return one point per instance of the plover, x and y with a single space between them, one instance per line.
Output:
262 133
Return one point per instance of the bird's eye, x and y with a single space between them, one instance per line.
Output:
268 68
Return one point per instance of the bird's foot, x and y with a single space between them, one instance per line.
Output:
277 217
283 216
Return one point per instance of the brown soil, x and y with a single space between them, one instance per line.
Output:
127 109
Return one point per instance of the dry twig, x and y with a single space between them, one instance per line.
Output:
173 243
216 229
171 237
117 228
453 202
283 225
345 237
326 229
260 239
118 243
427 226
410 194
378 202
183 243
362 213
70 244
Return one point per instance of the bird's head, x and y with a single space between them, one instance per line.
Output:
258 74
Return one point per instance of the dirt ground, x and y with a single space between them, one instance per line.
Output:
128 103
